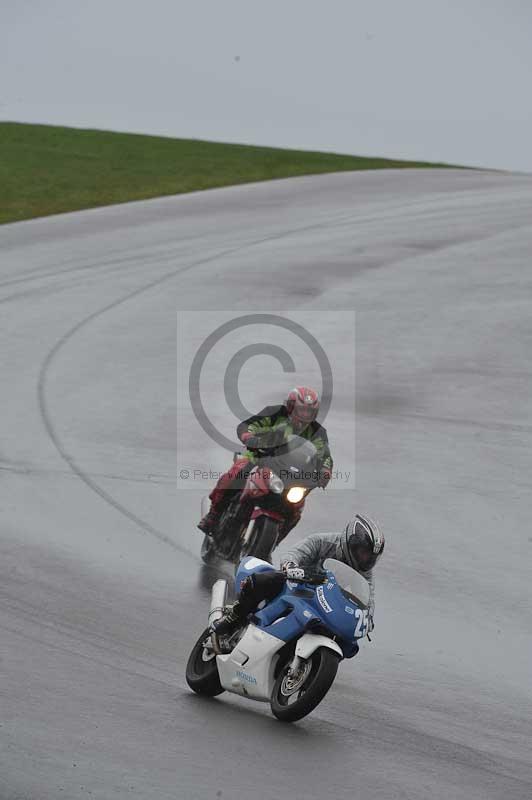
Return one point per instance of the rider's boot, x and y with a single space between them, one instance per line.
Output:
229 483
209 522
236 614
231 620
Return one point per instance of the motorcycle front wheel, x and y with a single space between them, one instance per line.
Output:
295 696
202 669
262 540
208 550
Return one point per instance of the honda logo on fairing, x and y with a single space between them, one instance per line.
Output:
245 677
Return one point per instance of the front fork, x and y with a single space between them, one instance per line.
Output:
249 530
295 665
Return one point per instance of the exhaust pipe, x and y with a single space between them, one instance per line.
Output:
218 600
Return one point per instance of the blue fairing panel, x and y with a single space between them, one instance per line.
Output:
301 607
286 618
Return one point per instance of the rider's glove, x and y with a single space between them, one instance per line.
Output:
285 565
304 574
371 624
295 573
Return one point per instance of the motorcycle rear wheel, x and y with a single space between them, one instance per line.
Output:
292 702
202 673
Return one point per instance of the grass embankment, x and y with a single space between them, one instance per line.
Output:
48 170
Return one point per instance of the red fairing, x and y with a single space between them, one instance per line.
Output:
257 484
240 466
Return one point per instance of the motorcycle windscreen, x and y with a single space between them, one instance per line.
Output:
350 581
304 449
296 456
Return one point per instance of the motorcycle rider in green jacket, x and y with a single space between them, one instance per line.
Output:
270 428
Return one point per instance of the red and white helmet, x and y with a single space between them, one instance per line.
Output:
302 405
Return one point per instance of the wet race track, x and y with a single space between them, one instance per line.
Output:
102 589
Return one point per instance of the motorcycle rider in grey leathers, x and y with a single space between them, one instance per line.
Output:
359 545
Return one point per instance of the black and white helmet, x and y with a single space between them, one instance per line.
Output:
362 543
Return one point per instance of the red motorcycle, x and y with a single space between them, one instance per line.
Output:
252 521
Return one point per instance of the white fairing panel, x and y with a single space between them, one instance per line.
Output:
248 669
252 563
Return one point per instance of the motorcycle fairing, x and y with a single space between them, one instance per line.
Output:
257 484
249 669
300 607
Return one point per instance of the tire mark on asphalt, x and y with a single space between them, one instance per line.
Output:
42 385
44 406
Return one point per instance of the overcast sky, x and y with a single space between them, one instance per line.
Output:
432 79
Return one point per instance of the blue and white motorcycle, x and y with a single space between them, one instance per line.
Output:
288 654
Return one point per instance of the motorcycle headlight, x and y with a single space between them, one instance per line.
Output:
295 494
276 484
